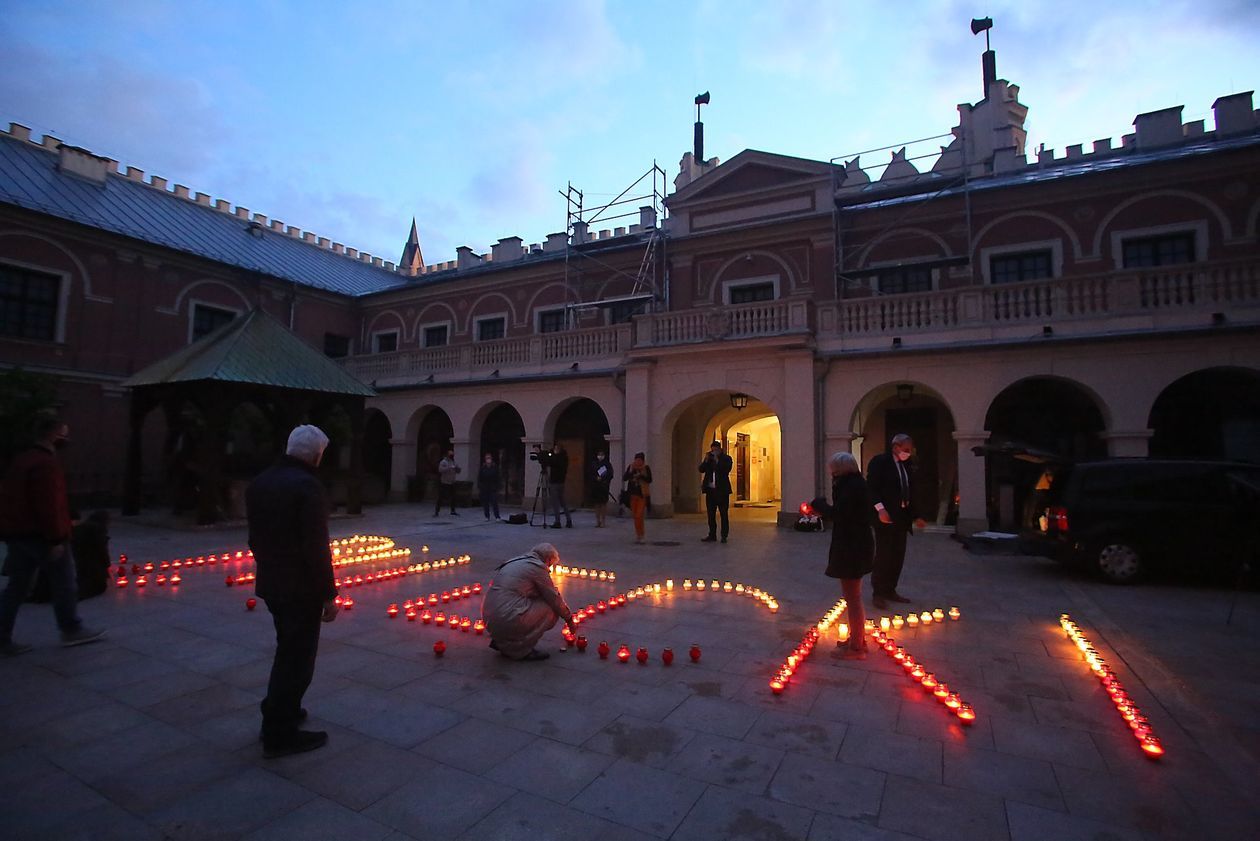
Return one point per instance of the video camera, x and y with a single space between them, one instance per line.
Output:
543 457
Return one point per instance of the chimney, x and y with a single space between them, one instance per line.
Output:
1158 128
506 249
579 232
80 162
647 217
19 132
555 242
466 258
1234 114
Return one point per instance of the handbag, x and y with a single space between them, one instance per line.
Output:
624 499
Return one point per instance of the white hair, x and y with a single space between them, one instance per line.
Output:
546 553
844 463
307 443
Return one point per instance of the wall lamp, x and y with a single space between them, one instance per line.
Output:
739 401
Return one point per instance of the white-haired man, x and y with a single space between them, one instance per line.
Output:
288 533
522 603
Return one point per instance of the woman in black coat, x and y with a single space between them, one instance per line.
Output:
852 551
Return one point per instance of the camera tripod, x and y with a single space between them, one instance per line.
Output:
542 495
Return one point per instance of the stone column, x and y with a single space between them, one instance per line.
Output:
402 463
973 512
466 457
1134 443
799 463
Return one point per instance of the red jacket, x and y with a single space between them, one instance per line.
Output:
33 497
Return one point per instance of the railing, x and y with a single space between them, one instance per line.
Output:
1152 298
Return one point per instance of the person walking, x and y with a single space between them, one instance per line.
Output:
602 476
638 479
891 483
287 510
716 482
522 603
488 486
35 524
447 471
557 472
852 551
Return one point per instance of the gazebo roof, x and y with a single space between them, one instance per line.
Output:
253 349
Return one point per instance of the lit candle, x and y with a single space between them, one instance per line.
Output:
392 610
925 618
700 585
623 653
141 581
776 686
884 623
479 627
912 620
842 632
686 583
439 619
966 714
411 615
669 584
954 613
938 615
175 579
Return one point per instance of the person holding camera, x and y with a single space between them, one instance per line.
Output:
716 483
557 465
638 492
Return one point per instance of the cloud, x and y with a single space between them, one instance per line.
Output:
107 105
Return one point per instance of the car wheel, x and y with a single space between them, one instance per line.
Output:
1119 562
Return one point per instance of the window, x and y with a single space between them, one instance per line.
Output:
385 342
1016 268
623 311
206 319
749 293
436 335
336 347
551 321
902 279
28 304
1161 250
489 329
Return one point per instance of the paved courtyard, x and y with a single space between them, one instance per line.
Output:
153 733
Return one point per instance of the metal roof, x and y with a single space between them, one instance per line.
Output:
29 178
252 349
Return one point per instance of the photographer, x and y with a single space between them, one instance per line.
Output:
716 484
557 468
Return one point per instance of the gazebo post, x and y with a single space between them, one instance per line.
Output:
132 491
354 487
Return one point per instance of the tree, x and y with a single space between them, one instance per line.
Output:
23 396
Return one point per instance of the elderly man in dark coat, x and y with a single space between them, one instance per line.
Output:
288 533
892 489
523 603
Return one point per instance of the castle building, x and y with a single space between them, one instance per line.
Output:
999 305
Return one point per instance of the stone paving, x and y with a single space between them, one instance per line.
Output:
153 733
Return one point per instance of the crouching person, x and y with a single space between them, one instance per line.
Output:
522 604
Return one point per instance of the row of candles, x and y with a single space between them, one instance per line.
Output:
613 602
562 571
391 573
914 620
1128 710
767 599
351 550
813 634
917 672
416 608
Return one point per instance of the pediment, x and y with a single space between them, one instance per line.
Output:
750 173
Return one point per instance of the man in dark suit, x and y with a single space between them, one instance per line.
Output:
716 470
288 533
890 481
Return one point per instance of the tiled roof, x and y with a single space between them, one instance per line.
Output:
252 349
29 178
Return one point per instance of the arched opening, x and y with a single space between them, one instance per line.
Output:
916 410
502 435
752 438
377 457
1045 414
433 439
1210 414
582 428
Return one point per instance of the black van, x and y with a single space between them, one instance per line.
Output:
1123 517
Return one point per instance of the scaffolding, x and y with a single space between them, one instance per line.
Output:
650 286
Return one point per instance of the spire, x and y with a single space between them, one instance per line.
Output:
412 261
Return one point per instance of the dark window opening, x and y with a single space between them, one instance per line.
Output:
1016 268
904 279
385 342
489 329
551 321
1162 250
436 336
751 293
207 319
336 347
623 311
28 304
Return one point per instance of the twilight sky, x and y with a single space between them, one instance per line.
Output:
348 118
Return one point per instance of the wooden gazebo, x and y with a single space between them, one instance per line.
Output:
254 359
